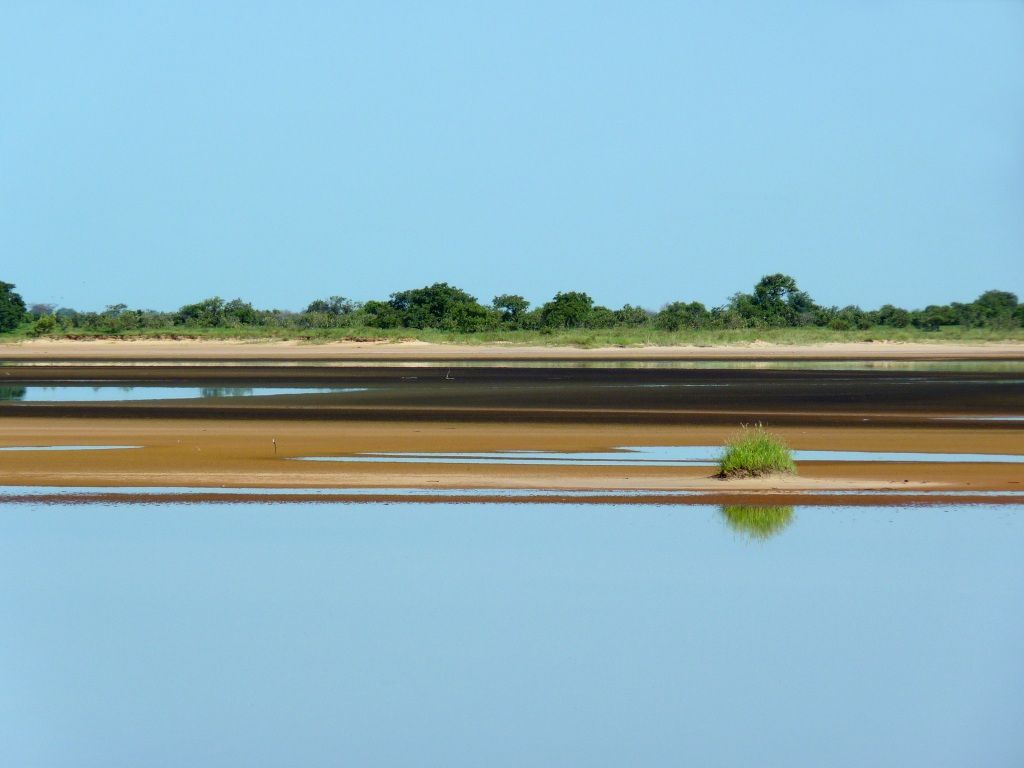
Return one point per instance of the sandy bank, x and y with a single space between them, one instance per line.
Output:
185 453
168 349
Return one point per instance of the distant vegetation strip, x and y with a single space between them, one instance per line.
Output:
776 310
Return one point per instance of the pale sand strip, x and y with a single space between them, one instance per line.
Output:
169 349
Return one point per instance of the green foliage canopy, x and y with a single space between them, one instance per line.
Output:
513 308
567 310
12 308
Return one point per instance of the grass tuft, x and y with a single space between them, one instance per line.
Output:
755 452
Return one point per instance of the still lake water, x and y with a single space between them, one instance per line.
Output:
651 455
106 393
287 634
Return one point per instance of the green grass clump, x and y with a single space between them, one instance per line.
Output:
755 452
757 522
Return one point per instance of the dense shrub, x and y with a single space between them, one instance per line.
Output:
679 315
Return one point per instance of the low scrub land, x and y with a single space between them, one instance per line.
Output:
776 310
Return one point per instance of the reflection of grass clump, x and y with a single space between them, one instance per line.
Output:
754 452
757 522
224 391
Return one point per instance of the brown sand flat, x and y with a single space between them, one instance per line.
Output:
227 441
171 349
201 453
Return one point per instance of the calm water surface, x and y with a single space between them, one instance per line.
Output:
508 635
99 393
653 455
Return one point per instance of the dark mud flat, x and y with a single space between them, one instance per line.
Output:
591 395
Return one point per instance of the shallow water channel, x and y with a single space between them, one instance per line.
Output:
99 393
654 455
510 635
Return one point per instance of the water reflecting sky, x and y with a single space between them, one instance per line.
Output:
510 635
33 393
650 455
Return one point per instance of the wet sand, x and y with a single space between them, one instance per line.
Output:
600 395
227 442
239 454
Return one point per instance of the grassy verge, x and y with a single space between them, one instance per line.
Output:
584 338
755 452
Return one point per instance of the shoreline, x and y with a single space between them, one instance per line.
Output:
193 349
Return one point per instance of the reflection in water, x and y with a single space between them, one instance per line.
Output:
12 393
757 522
225 391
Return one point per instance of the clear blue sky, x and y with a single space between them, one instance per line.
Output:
155 153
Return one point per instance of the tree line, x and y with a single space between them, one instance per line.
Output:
775 302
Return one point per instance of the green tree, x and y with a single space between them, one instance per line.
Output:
566 310
776 301
45 325
238 312
850 318
934 316
12 308
513 308
335 305
892 316
208 313
440 306
679 315
601 317
380 314
38 310
995 309
630 315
